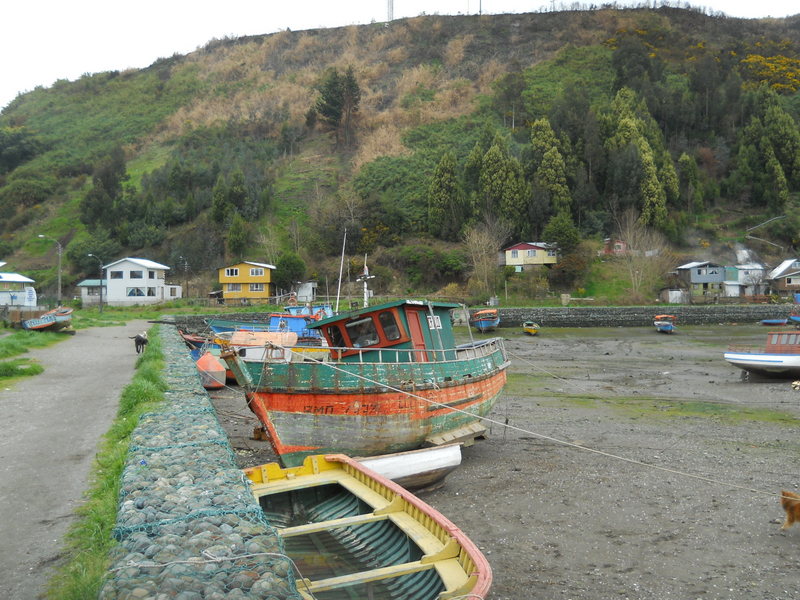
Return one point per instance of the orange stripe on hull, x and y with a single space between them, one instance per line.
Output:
455 397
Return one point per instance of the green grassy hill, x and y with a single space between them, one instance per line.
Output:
690 120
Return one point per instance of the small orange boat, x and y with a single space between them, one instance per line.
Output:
212 371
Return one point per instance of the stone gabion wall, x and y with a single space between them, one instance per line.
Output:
638 316
187 522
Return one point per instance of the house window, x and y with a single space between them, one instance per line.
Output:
173 291
531 253
515 254
135 291
256 287
551 253
151 291
136 275
232 272
93 291
789 281
234 287
115 275
151 274
256 272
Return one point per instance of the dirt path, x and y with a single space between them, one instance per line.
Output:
52 424
558 522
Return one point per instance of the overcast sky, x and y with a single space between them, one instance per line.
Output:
42 41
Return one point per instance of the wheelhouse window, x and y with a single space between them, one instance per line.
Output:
362 333
136 275
389 324
115 275
232 272
334 334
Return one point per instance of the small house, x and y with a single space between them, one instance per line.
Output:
131 281
744 280
524 256
16 290
784 279
703 279
247 282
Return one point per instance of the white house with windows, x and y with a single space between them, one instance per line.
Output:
130 281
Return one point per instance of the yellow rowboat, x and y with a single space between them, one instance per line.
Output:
530 327
352 533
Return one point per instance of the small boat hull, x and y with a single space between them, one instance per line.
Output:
352 533
53 320
485 320
211 371
784 366
425 468
664 323
530 328
774 322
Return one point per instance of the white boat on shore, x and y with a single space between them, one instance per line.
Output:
780 357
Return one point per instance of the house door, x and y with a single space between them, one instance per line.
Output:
417 335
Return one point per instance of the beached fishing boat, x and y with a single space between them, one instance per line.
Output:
774 322
391 379
779 357
530 327
487 319
352 533
52 320
424 468
665 323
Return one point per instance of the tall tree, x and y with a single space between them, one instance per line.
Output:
447 210
338 103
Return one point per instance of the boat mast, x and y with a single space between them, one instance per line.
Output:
365 276
341 266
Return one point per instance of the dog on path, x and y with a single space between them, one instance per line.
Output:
791 504
140 341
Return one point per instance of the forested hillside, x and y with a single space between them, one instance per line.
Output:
432 141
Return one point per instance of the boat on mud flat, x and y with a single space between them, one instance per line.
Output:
774 322
779 357
484 320
530 327
665 323
53 320
352 533
390 379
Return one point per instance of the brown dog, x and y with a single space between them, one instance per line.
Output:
791 504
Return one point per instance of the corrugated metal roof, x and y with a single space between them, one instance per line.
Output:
15 278
142 262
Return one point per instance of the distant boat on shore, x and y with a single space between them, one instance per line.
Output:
779 357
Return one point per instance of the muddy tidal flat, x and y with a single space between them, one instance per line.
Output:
635 465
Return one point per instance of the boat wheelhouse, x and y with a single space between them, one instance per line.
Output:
392 378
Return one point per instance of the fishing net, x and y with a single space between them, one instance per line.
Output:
187 524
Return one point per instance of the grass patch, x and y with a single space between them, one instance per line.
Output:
727 413
11 369
19 342
89 540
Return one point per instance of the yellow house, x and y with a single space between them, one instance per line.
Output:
247 281
525 255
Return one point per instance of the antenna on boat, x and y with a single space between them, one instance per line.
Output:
341 266
365 276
